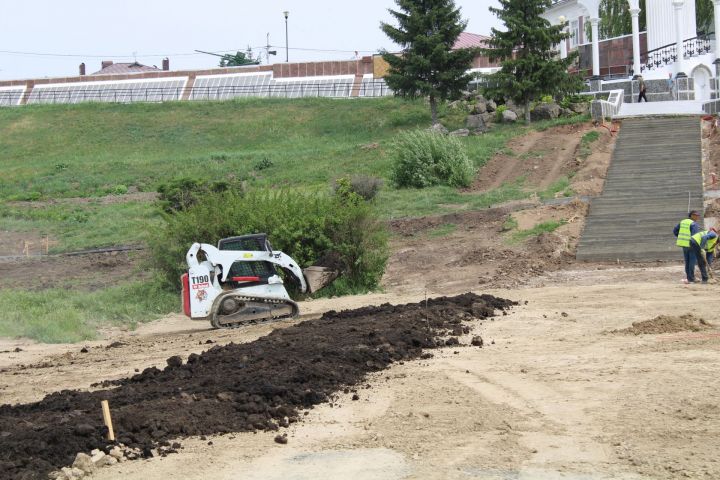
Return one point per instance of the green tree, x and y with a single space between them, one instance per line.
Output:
427 65
615 19
239 58
531 67
704 19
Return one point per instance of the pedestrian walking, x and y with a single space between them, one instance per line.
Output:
684 232
703 245
641 84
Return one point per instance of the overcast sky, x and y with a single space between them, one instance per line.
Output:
90 31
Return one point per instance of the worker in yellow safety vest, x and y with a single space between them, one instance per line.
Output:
683 231
703 245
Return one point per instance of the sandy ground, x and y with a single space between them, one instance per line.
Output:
555 396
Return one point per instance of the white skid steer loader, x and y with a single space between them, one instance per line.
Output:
238 284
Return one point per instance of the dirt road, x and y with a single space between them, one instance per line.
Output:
555 396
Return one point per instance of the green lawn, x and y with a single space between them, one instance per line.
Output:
91 150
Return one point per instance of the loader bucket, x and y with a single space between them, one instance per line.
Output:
319 277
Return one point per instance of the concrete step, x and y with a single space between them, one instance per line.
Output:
656 164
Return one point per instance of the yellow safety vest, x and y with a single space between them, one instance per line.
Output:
710 245
683 238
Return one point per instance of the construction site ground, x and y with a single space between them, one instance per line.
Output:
563 387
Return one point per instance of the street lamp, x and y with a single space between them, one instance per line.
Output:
287 57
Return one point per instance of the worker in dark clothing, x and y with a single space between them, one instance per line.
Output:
684 231
703 245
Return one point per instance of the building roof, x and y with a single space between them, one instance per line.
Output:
124 68
470 40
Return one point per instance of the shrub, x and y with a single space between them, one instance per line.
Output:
182 193
424 158
547 99
305 226
365 186
499 111
264 164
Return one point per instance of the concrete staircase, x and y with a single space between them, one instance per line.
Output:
656 165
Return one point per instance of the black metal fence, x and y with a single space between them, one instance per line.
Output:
109 93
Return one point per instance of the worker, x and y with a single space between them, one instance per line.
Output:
683 231
703 245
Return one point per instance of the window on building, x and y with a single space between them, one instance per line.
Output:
574 33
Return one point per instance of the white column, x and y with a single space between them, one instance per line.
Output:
635 13
595 46
563 42
679 51
716 9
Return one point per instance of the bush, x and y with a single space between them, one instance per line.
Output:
547 99
182 193
307 227
365 186
499 112
424 158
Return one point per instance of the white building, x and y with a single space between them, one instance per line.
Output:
670 29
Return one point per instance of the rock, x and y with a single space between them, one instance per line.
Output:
488 118
281 439
175 361
508 116
225 396
84 350
84 462
491 106
461 132
477 341
566 112
106 461
67 473
545 111
452 341
57 475
193 358
580 108
77 473
438 128
97 455
84 429
475 122
480 107
116 453
356 397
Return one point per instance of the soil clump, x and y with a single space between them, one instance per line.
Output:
666 324
260 385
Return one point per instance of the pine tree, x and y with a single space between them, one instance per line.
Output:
530 66
427 65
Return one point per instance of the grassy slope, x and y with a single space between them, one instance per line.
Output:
88 150
91 150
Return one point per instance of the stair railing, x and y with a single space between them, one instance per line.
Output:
667 54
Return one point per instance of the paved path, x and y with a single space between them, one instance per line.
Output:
649 109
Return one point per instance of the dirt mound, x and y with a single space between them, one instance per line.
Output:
667 324
260 385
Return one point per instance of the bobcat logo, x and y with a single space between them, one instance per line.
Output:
201 295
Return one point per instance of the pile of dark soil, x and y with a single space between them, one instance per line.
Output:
667 324
260 385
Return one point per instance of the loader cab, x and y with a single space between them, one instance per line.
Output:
249 269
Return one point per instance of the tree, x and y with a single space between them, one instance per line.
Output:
427 65
615 19
530 65
704 19
239 59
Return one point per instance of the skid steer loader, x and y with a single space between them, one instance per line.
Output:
237 283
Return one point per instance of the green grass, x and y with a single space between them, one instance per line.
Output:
84 226
586 142
544 227
64 316
562 185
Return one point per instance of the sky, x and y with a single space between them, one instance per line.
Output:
51 38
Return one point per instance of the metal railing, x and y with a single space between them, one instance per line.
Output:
97 93
667 54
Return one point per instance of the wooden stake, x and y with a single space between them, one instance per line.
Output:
108 420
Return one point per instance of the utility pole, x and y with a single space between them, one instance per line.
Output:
287 56
268 52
